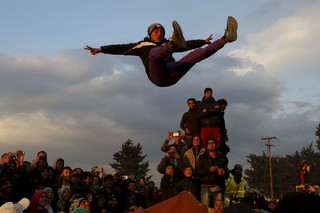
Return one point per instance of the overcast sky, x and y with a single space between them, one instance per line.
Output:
55 96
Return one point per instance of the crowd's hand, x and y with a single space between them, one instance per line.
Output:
208 39
170 136
89 198
204 110
20 156
92 50
20 153
103 172
188 131
181 134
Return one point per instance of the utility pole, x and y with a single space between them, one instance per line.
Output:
270 166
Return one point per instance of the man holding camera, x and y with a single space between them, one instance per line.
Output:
172 168
172 158
178 141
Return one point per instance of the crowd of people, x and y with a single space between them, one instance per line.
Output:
196 161
59 188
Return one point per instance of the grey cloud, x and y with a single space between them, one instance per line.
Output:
111 100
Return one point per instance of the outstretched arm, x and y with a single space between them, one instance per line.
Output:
193 44
92 50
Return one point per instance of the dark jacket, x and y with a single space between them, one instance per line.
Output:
212 116
178 169
203 170
167 185
187 184
191 120
142 49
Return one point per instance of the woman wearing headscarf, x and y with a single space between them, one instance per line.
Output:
38 202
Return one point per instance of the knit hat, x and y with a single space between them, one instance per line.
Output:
154 26
238 166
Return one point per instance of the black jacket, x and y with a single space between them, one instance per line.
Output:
142 49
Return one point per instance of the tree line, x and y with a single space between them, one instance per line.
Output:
285 169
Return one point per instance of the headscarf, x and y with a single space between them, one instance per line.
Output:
35 202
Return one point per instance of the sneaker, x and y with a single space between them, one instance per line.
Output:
177 37
230 33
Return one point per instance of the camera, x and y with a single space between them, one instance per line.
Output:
172 154
175 134
43 158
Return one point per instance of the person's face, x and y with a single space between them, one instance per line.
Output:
42 159
169 170
211 145
65 174
66 194
103 211
113 202
12 165
51 173
109 183
6 187
219 206
132 187
191 104
43 200
101 201
85 204
50 196
5 158
177 139
208 95
60 165
86 181
188 172
196 142
157 35
141 181
238 171
76 178
172 149
44 174
116 178
27 165
95 181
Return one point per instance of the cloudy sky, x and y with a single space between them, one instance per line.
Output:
55 96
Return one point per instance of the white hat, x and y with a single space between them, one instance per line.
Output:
10 207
